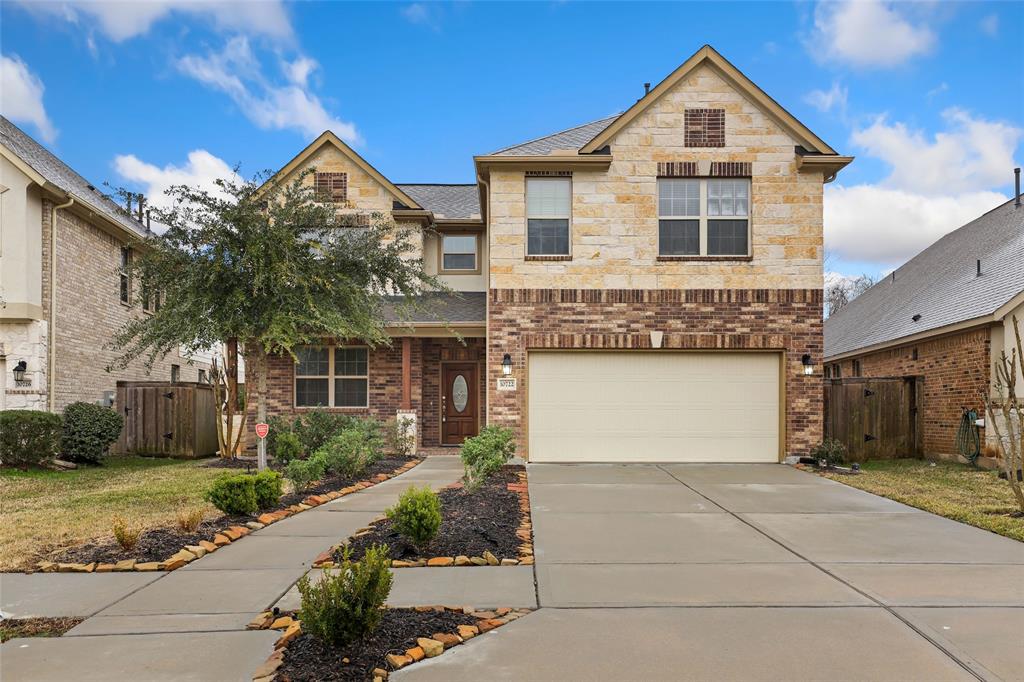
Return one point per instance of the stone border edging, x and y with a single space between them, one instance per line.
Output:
426 647
223 537
525 533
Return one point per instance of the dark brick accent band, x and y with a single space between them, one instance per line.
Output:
669 296
677 169
704 128
332 186
730 169
548 174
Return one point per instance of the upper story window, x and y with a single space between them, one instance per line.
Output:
548 211
124 276
459 252
703 217
331 377
332 187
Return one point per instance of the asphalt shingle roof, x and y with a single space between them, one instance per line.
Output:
940 284
573 138
463 306
446 201
62 175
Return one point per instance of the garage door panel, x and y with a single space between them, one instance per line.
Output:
621 406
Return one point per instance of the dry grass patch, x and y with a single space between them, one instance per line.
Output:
957 491
36 627
47 511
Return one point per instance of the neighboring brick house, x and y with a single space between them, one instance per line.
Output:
647 286
944 317
92 297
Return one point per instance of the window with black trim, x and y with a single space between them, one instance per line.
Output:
124 276
459 252
329 376
704 217
548 212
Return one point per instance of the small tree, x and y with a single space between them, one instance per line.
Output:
1006 404
272 265
841 290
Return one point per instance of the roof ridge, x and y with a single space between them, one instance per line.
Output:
559 132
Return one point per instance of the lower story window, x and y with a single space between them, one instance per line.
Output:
327 376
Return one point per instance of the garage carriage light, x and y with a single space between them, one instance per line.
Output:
19 372
506 364
808 365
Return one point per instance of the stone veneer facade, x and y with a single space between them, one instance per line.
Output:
954 372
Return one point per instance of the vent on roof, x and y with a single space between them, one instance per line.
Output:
917 317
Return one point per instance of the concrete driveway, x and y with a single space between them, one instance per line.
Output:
748 572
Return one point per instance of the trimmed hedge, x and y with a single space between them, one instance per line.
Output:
89 431
28 437
240 494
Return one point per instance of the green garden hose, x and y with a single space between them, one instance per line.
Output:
968 443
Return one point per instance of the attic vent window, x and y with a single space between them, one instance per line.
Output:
915 318
704 127
332 187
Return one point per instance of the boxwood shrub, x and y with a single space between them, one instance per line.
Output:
89 430
28 437
234 494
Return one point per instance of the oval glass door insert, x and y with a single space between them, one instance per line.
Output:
460 393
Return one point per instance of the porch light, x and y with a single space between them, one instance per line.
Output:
506 364
19 372
808 365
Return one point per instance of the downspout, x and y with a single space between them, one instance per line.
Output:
51 333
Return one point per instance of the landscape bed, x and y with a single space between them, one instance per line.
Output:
491 521
11 628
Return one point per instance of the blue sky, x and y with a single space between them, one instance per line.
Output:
927 95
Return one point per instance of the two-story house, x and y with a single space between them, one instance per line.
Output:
64 292
644 287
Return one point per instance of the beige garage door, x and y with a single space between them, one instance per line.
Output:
662 406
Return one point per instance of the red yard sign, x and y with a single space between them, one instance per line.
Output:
262 430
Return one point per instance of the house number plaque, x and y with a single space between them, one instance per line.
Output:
507 384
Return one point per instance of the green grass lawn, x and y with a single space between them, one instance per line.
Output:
957 491
42 512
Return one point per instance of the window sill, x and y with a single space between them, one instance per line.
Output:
548 258
710 259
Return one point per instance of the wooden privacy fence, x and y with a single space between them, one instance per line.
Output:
165 419
875 417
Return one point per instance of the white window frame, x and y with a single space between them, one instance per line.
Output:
703 219
567 217
441 269
331 377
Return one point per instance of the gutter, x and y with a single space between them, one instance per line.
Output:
51 332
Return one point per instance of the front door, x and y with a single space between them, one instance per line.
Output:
459 402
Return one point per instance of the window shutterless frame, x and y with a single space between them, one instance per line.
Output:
548 216
717 210
459 243
323 375
124 278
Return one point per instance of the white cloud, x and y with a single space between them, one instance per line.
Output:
938 89
271 106
990 24
971 154
867 34
121 20
422 14
867 223
826 100
21 97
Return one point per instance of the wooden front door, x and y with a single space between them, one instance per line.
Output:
460 396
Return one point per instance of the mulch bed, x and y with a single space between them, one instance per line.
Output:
309 659
11 628
157 544
234 463
471 523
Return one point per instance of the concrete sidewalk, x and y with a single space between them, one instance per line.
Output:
189 624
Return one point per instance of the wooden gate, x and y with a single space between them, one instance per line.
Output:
167 419
875 417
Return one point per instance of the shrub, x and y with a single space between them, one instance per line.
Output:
348 604
28 437
286 448
484 454
233 494
126 533
399 437
189 519
831 450
417 515
267 487
280 425
318 426
88 431
305 472
372 432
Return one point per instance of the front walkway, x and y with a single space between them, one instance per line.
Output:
189 624
750 572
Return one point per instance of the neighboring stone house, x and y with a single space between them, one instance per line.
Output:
944 316
59 335
647 286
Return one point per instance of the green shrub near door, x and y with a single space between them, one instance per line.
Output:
28 437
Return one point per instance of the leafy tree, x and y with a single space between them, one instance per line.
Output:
273 266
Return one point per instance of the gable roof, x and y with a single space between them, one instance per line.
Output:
707 55
940 284
51 170
328 137
572 138
448 202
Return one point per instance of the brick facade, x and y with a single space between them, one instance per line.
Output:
787 320
955 371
